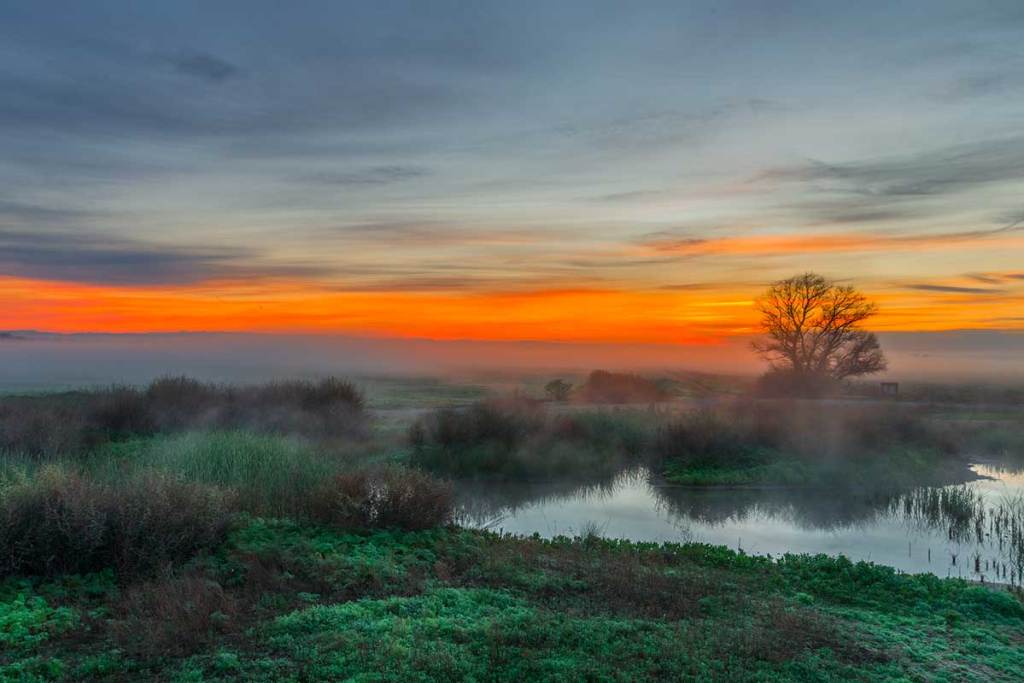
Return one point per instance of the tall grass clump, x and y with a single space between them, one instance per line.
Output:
58 521
270 475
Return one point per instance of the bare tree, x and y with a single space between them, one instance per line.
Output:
812 329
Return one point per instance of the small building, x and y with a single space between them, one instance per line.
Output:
890 388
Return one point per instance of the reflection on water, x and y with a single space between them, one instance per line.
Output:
973 530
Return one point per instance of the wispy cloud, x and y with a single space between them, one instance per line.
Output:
204 66
101 259
952 289
938 171
768 244
377 175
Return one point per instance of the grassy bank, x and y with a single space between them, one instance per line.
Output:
283 601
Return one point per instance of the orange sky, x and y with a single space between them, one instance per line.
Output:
698 315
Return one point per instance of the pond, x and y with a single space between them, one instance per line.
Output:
973 530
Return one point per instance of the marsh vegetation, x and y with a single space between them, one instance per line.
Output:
288 531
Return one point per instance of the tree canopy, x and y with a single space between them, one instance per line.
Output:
813 331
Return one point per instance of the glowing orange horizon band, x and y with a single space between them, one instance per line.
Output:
704 316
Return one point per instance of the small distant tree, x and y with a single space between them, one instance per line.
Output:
813 333
558 390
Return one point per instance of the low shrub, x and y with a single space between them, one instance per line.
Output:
36 428
77 422
520 440
613 387
389 497
502 424
178 615
60 522
704 439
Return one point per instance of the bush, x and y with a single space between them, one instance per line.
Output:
60 522
44 429
703 439
518 439
612 387
77 422
801 439
503 424
180 403
390 497
121 412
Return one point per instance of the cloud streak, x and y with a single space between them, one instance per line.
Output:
99 259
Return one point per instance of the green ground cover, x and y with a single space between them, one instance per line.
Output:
284 601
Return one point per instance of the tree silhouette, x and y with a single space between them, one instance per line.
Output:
812 330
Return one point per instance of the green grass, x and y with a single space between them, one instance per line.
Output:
894 470
306 603
384 393
270 474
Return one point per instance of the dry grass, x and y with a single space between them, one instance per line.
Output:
172 615
389 497
60 522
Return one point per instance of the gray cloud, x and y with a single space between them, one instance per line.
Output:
940 171
100 259
636 195
952 289
986 279
17 214
852 211
687 287
978 85
204 67
378 175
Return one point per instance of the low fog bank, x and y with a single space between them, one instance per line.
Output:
33 360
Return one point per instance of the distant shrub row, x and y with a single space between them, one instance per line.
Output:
64 424
520 439
615 387
753 432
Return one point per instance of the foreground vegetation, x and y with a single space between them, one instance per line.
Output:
188 532
279 600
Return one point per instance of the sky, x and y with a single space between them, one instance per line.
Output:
601 172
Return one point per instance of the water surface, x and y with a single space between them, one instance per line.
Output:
895 530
